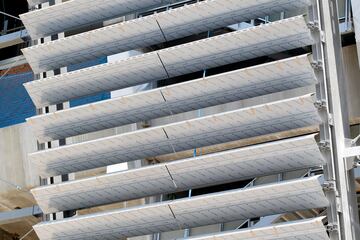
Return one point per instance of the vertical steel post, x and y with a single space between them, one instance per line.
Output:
338 120
316 23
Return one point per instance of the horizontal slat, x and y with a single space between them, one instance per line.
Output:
310 229
219 128
186 213
76 13
191 57
219 89
212 169
153 29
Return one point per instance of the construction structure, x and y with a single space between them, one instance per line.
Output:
164 119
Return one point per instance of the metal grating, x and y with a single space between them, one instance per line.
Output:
310 229
201 93
213 169
76 13
234 125
195 56
145 31
198 211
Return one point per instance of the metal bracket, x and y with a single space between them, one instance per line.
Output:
322 37
354 141
317 65
352 153
324 145
332 227
313 25
331 119
356 162
329 186
320 104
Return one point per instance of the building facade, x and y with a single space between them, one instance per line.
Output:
159 119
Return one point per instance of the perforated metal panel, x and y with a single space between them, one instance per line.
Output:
153 29
219 128
219 89
197 211
312 229
195 56
212 169
76 13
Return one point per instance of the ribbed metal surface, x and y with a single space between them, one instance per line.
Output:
175 61
153 29
212 169
198 211
219 89
219 128
76 13
311 229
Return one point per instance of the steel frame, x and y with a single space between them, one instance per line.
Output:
339 180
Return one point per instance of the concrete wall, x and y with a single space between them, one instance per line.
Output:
352 78
15 143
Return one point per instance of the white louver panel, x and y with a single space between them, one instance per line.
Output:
175 61
219 128
212 169
312 229
198 211
76 13
215 90
157 28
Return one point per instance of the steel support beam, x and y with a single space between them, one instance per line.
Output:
339 126
315 23
19 214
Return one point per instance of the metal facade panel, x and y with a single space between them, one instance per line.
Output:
83 82
191 57
237 46
104 189
310 229
197 211
76 13
154 29
200 93
212 169
230 126
248 162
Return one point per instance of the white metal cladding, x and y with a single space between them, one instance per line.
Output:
191 57
311 229
186 213
146 31
76 13
219 128
219 89
259 160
